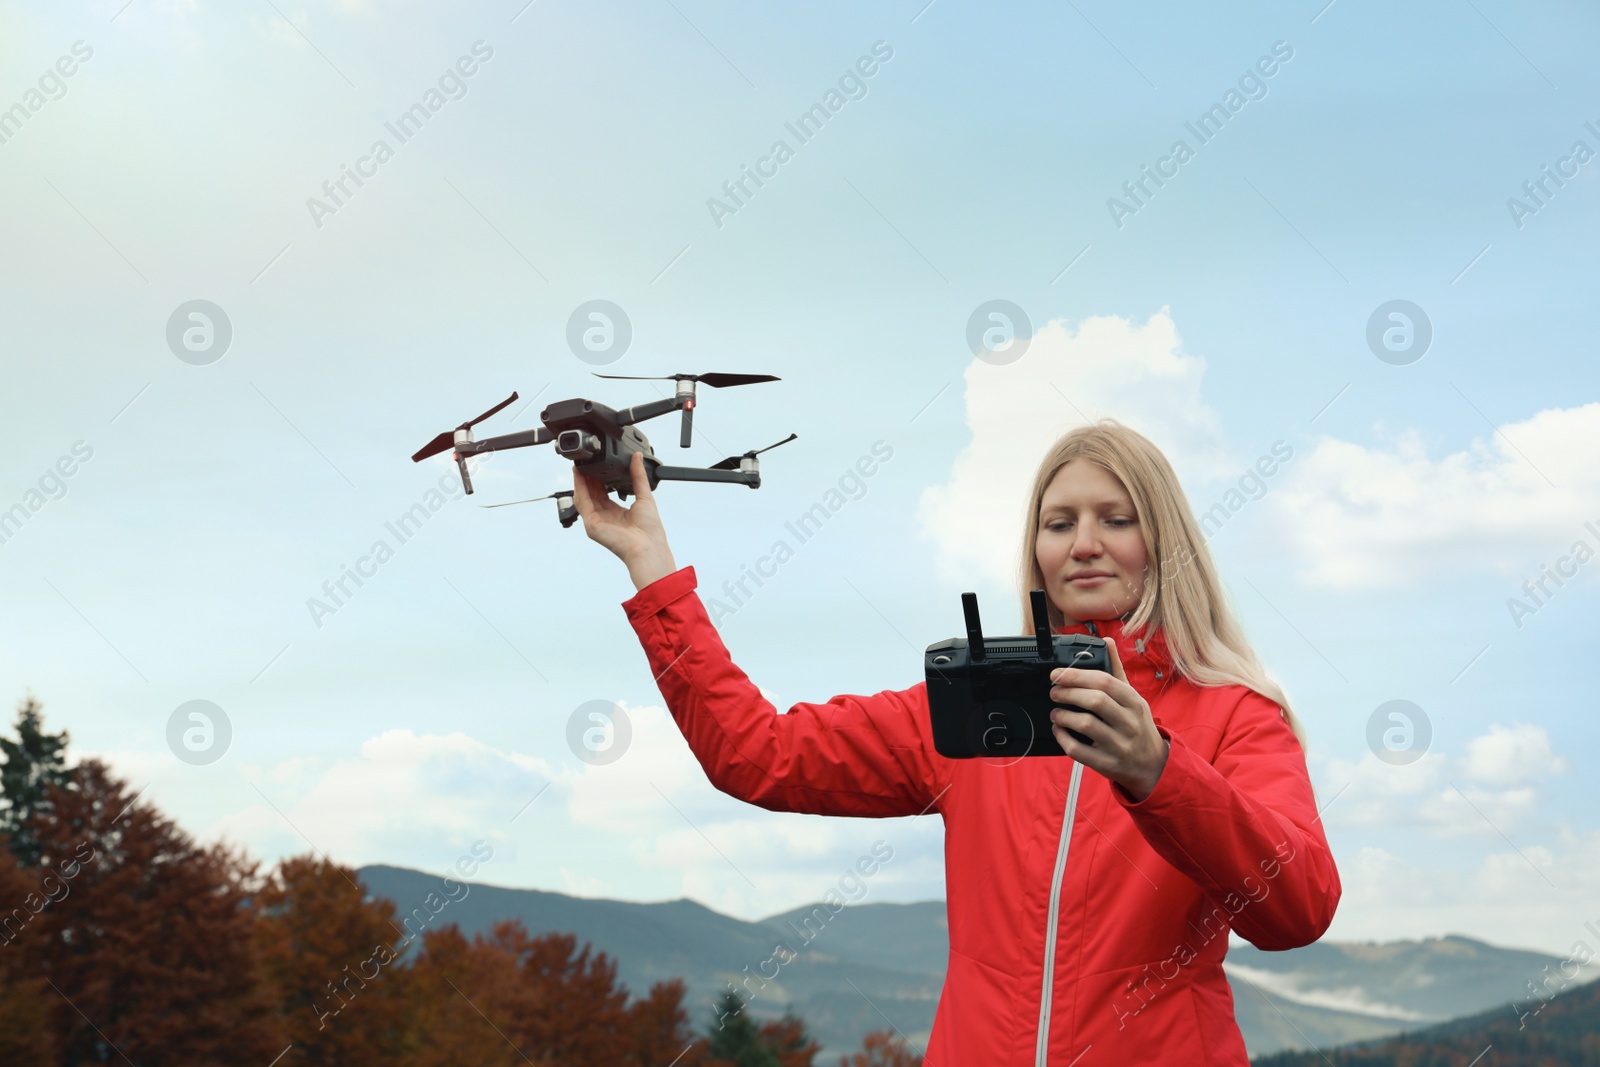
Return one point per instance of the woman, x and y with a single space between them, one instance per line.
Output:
1088 913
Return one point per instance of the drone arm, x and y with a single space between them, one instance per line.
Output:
539 436
641 412
706 474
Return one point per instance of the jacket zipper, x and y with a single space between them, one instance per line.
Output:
1042 1045
1043 1048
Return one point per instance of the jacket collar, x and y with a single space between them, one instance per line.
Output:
1144 650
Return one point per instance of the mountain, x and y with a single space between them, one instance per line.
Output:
1561 1031
893 953
1326 994
1332 993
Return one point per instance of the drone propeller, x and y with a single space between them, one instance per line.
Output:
447 440
531 499
715 380
732 462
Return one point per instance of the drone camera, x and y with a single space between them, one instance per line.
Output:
578 445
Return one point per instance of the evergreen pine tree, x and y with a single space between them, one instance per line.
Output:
29 766
735 1038
788 1040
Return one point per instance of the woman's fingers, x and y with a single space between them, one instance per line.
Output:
641 481
1116 661
580 491
1093 700
1082 679
1089 726
583 495
1092 756
580 495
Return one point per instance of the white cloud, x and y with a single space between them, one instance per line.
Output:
1108 367
407 799
1352 516
630 796
1510 756
1495 787
579 884
1541 897
1364 517
647 826
284 31
1293 986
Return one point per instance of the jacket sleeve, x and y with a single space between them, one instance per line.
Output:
854 755
1245 828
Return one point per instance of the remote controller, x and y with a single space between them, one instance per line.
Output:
991 696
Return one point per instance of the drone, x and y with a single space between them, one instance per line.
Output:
601 440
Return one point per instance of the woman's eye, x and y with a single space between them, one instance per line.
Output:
1061 524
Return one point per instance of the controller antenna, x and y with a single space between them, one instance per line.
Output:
1041 625
969 608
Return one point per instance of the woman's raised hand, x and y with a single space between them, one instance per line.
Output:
634 534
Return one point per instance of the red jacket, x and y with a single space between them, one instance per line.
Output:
1085 928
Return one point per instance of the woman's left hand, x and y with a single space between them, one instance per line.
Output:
1127 747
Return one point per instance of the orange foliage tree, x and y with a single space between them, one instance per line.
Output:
331 956
514 998
883 1048
144 940
24 996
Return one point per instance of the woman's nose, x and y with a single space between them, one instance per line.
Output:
1085 543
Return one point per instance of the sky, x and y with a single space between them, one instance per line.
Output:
1372 255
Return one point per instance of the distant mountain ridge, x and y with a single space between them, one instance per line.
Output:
1327 994
1561 1030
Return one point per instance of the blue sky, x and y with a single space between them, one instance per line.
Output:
1227 314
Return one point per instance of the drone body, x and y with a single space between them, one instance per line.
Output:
600 441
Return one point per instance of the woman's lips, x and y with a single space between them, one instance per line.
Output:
1089 580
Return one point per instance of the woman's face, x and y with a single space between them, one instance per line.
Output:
1090 549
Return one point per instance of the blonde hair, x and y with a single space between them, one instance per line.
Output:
1185 598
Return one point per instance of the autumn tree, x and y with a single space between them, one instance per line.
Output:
883 1048
143 935
660 1032
513 998
24 996
456 990
332 957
